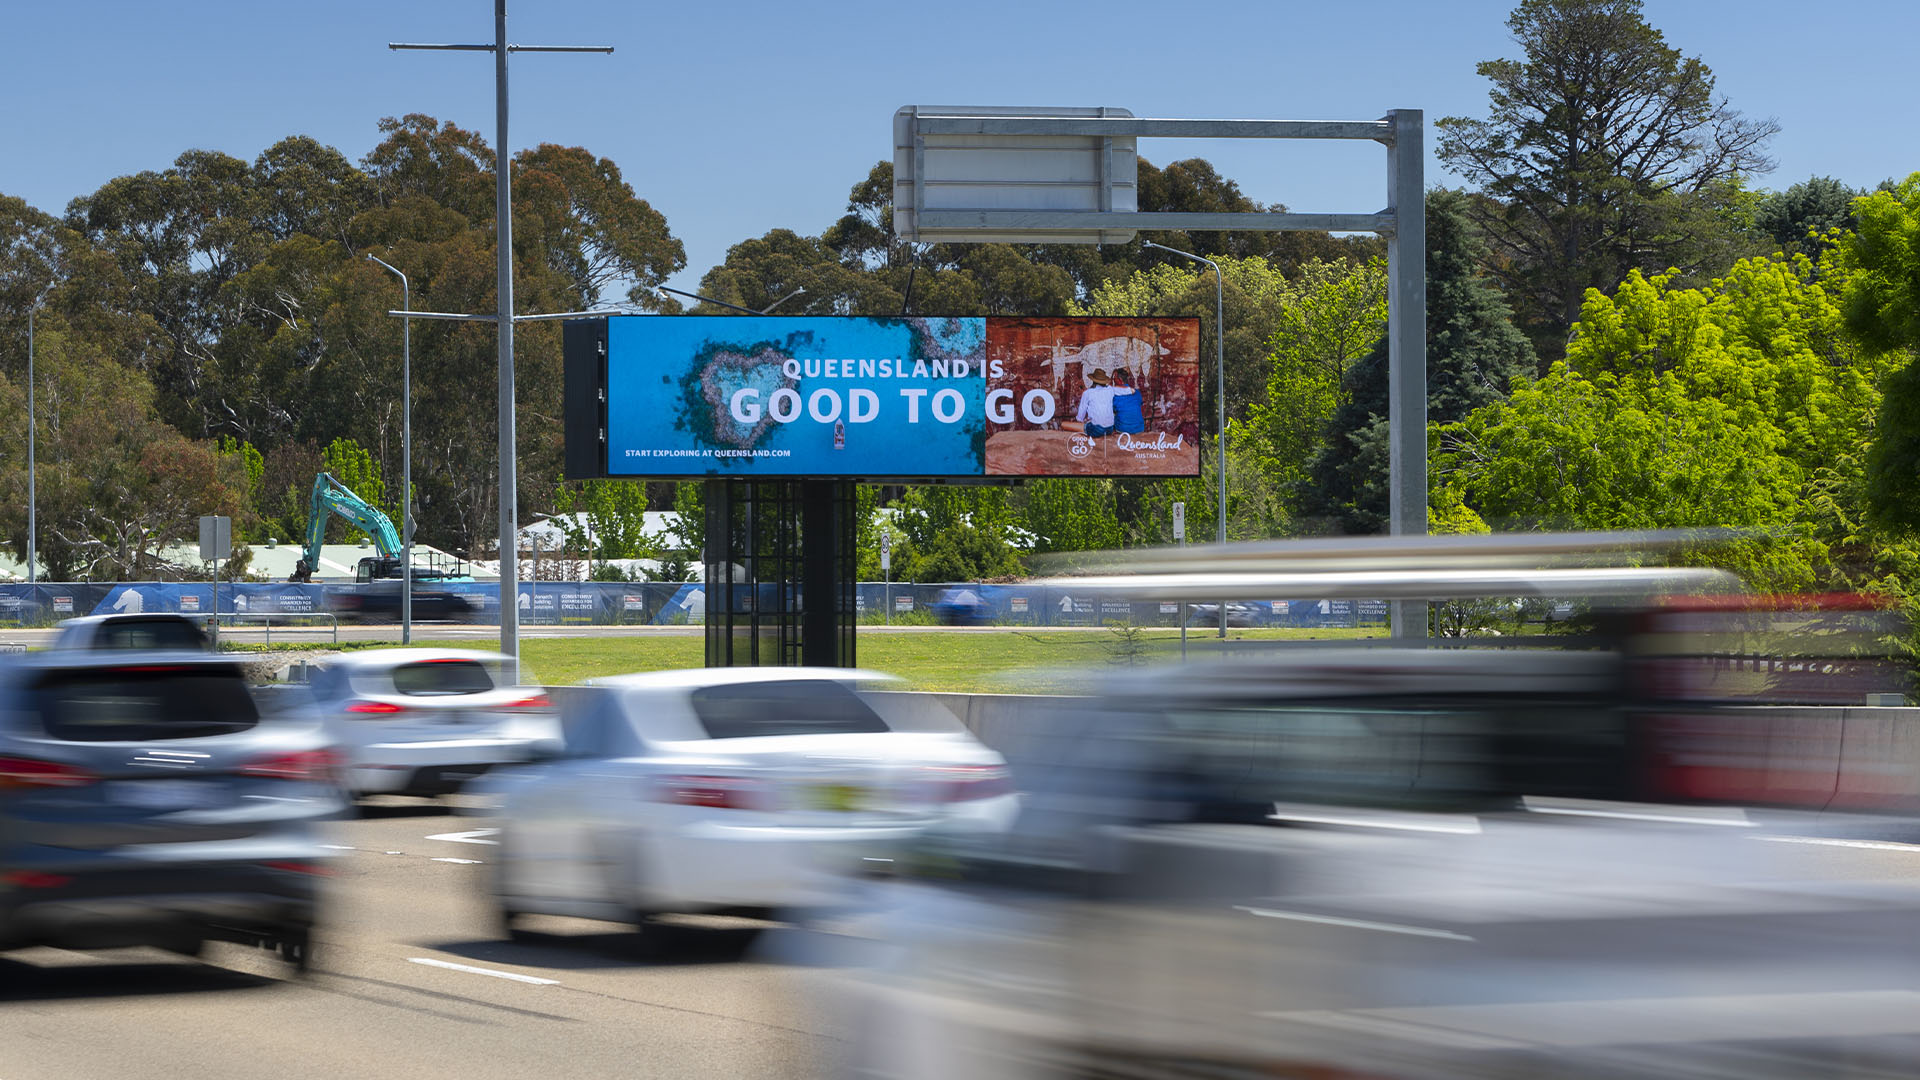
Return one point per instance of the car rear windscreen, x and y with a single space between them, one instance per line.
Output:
436 678
794 707
144 704
149 634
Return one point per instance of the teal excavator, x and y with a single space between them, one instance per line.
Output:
330 497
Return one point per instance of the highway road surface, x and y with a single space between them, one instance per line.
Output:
412 981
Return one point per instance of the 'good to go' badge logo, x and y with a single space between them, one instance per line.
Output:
1081 446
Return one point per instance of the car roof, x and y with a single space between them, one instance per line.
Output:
80 659
698 678
373 659
129 616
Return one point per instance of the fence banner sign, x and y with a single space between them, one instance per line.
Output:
677 396
629 602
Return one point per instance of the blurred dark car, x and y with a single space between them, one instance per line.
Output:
145 800
961 607
1238 615
380 602
144 631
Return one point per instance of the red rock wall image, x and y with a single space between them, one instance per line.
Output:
1038 369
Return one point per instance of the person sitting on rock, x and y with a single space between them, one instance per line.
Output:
1128 413
1095 415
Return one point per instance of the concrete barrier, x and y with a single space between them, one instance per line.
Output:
1879 760
1864 758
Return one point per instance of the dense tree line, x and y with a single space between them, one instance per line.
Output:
1623 331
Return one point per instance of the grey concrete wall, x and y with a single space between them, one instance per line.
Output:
1832 757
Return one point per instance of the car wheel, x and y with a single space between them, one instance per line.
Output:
658 940
508 922
506 917
297 950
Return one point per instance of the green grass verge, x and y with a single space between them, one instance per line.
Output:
1005 661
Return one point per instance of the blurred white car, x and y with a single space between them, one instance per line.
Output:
426 721
741 790
143 630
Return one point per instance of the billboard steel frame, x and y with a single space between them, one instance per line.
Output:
1403 224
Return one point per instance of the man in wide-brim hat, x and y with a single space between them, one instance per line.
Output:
1095 415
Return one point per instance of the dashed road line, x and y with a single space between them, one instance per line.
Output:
460 862
1356 924
1828 841
469 969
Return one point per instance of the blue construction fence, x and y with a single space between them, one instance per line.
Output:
608 603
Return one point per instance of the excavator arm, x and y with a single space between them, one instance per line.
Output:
330 496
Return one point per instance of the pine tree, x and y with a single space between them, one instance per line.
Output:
1473 353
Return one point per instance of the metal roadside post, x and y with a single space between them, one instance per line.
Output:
1220 393
886 574
406 458
216 542
1180 536
32 423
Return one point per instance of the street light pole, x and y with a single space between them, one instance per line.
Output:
504 318
31 425
406 457
1220 392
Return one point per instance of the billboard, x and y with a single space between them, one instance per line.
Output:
953 398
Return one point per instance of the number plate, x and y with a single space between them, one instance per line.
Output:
838 797
171 794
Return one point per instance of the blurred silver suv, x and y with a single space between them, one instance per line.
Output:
144 800
144 631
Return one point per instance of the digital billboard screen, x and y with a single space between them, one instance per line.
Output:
691 396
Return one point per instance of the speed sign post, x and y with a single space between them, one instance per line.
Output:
1180 534
886 574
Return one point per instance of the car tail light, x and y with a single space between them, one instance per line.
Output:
722 792
537 701
375 708
966 783
34 879
300 867
19 772
316 766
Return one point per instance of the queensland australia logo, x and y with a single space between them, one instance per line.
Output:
1160 441
1079 446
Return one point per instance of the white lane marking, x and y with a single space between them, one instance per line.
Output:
1826 841
1622 815
1408 823
515 976
461 862
1641 1021
1357 924
471 836
339 847
1680 815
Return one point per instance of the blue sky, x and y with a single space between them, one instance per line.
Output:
734 119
